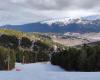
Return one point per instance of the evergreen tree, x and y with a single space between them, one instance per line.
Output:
7 59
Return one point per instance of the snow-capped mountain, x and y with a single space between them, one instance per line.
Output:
61 25
92 17
66 21
60 21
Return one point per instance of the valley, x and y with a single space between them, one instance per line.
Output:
75 39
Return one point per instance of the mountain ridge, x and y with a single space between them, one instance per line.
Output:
59 25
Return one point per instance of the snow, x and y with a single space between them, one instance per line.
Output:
66 21
45 71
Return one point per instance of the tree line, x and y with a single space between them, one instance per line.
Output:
85 58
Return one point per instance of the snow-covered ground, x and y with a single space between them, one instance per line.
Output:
45 71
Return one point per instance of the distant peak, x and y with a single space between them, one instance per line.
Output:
92 17
65 21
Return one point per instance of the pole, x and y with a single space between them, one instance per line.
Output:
23 61
8 65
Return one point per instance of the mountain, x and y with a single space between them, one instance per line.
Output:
59 25
92 17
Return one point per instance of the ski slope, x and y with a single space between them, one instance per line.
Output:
45 71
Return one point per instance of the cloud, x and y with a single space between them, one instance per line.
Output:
63 4
59 4
25 11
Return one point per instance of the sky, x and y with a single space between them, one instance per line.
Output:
27 11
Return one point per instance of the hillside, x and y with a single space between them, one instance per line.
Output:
11 32
19 34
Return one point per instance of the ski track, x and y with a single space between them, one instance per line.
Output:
45 71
